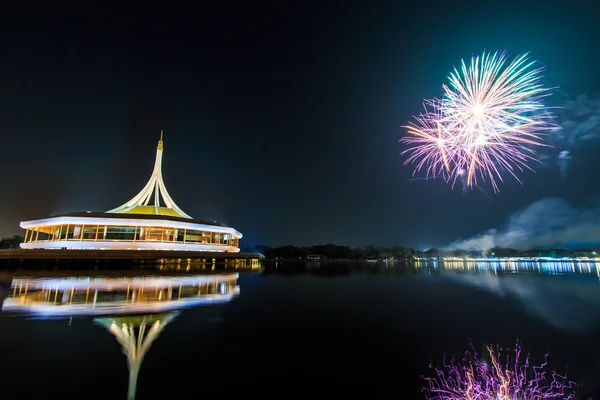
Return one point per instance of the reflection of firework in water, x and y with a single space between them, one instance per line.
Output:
515 379
486 122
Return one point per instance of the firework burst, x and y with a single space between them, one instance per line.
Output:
488 121
514 379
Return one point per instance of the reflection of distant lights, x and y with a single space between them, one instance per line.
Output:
510 265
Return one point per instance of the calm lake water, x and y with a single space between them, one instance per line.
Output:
293 328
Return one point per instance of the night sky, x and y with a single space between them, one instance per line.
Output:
281 119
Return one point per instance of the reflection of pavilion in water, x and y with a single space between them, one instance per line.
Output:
509 266
100 296
135 310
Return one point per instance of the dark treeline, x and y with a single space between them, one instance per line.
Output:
398 252
338 252
11 242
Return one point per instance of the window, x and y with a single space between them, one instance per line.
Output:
120 233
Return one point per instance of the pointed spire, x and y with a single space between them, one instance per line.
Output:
155 185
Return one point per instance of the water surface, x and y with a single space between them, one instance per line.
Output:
294 327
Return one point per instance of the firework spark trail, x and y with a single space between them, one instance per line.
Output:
433 146
486 122
516 379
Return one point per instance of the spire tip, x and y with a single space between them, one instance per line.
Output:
160 142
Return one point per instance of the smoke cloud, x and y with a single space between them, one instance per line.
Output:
578 125
547 223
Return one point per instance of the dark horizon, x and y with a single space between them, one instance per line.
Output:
283 120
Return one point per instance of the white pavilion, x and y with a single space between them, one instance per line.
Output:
143 223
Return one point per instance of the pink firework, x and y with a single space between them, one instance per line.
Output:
514 379
488 121
433 145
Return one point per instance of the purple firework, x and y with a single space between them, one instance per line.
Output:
513 379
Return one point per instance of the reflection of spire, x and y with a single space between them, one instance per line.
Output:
135 346
155 185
